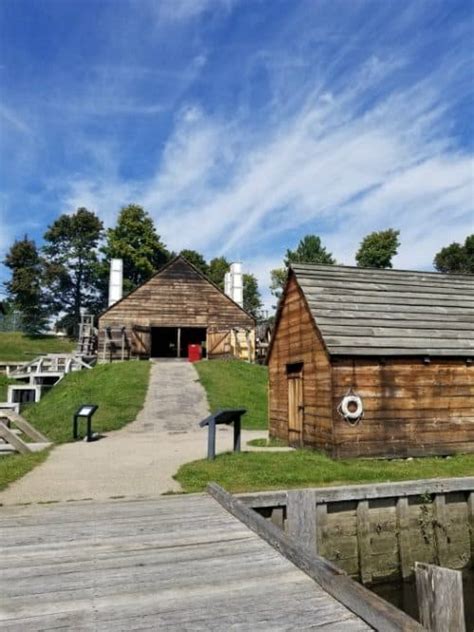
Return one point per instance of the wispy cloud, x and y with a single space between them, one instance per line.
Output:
12 119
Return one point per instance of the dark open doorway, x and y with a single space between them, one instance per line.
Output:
172 342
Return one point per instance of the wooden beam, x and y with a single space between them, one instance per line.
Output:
178 343
440 598
301 517
368 606
11 438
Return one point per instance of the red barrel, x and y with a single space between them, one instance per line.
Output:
194 353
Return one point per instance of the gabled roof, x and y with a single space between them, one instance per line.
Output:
168 265
365 311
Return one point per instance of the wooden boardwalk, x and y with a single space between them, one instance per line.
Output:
174 563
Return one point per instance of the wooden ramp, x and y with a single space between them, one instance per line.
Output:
175 563
13 427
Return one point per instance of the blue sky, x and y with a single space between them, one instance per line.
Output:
241 125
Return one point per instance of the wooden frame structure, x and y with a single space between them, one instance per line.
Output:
178 298
403 342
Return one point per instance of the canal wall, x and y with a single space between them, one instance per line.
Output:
376 533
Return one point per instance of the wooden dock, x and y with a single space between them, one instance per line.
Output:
174 563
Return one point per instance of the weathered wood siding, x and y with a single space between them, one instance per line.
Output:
410 408
296 340
176 297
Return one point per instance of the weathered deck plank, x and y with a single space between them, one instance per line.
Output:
172 563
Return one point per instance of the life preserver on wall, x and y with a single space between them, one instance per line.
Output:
351 408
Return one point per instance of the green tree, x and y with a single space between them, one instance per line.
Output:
134 240
71 265
309 250
217 269
252 297
24 289
196 259
377 249
456 258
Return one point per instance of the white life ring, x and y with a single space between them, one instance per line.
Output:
351 407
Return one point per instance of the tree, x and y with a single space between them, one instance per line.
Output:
134 240
378 248
196 259
252 297
217 270
71 265
456 258
25 286
309 250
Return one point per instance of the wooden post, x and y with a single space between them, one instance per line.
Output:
440 598
404 547
178 343
301 517
470 519
363 541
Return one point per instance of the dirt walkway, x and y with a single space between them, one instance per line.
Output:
138 460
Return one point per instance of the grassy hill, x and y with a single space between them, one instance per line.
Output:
236 384
118 389
19 347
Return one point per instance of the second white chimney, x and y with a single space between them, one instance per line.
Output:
115 281
237 292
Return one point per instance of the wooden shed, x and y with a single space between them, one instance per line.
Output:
398 343
177 307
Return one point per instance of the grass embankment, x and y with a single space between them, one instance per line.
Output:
236 384
256 471
19 347
118 389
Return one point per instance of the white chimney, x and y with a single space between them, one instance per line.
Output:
237 292
228 284
115 281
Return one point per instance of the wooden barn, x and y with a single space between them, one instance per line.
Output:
177 307
373 363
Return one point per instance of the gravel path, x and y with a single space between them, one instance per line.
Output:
138 460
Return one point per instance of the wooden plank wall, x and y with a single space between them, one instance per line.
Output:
296 341
410 408
176 297
377 532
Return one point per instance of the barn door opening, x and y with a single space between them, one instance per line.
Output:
294 374
173 342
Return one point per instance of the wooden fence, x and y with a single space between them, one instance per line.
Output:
377 532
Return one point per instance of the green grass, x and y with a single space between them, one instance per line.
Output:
18 347
267 443
255 471
17 465
4 382
236 384
118 389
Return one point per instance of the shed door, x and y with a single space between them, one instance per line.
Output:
295 404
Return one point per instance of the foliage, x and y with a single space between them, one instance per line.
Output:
4 382
255 471
377 249
252 297
24 288
118 389
278 278
196 259
236 384
134 240
309 250
456 258
19 347
217 270
72 266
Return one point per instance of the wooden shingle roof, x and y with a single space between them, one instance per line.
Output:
364 311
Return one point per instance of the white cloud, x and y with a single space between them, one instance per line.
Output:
336 166
183 10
